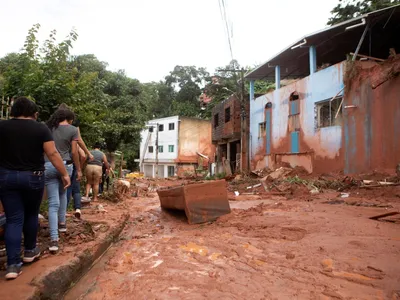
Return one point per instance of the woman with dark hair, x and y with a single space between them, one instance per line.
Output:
66 139
74 191
23 143
94 170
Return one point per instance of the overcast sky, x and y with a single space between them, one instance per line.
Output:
148 38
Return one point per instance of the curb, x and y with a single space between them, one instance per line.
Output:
53 285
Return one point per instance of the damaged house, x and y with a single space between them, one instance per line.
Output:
343 111
227 134
175 146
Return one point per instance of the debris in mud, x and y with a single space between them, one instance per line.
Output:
202 202
384 215
278 173
193 248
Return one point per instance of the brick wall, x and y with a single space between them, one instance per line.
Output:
227 130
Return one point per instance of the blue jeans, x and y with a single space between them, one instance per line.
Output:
57 197
21 193
74 191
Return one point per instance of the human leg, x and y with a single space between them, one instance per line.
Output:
13 207
70 192
32 198
62 211
97 173
52 183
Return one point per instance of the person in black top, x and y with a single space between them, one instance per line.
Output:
23 143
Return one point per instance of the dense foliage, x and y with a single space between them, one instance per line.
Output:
348 9
112 108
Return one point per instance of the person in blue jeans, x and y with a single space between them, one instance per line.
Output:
66 140
23 144
74 191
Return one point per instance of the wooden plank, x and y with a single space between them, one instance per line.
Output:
384 215
369 57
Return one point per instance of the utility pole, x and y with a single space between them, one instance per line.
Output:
157 150
244 143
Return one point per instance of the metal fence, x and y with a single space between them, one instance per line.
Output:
6 104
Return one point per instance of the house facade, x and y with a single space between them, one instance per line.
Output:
175 146
343 111
227 134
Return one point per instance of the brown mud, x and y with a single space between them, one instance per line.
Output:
318 246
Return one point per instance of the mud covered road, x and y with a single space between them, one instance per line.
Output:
265 249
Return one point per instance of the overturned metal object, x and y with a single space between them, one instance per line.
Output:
202 202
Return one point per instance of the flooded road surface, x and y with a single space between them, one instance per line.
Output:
271 249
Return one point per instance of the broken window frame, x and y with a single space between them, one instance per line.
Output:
332 111
161 127
227 114
216 120
151 129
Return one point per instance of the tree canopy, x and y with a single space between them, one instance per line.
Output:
348 9
112 108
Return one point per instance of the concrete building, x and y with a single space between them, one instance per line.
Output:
340 114
183 144
227 134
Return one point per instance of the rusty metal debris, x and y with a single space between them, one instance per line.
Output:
202 202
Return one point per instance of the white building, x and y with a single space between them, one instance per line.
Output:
167 147
180 139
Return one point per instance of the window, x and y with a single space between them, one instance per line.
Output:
261 129
227 114
171 148
326 112
216 120
160 149
171 171
151 129
161 127
294 112
151 149
171 126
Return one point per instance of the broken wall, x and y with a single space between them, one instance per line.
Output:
316 149
226 130
372 117
194 136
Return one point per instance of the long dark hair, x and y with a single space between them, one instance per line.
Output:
59 116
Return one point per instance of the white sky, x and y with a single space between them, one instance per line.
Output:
148 38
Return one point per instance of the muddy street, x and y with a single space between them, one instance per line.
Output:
270 248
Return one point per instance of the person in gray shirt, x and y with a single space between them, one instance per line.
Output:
66 140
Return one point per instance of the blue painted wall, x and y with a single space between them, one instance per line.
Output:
325 142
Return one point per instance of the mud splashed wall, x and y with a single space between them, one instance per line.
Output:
318 149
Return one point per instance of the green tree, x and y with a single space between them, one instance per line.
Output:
188 82
348 9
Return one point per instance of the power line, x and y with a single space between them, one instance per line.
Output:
222 7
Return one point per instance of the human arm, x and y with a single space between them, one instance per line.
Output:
106 164
75 158
82 144
52 154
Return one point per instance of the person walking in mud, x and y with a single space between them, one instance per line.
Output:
74 191
94 171
22 179
66 139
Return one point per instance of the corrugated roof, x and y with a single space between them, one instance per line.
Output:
334 43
